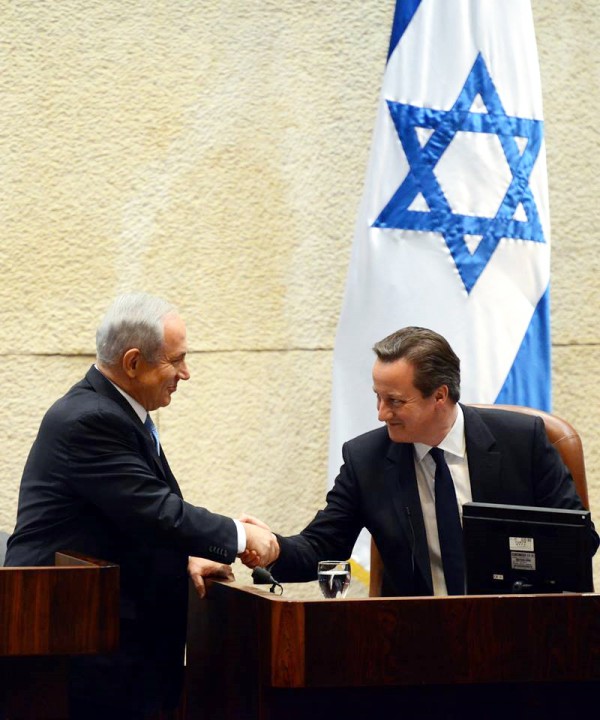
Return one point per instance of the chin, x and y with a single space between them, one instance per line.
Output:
398 434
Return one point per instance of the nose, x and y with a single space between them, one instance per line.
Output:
184 373
384 412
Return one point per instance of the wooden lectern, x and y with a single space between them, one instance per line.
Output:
252 654
46 615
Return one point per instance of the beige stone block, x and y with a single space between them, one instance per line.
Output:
245 434
569 65
31 384
249 433
213 153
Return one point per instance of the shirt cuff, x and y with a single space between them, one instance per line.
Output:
241 535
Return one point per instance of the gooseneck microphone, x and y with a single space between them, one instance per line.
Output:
262 576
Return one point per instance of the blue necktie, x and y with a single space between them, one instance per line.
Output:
449 527
151 428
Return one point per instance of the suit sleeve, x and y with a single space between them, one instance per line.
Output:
109 465
329 536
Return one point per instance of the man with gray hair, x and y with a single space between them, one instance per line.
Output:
97 482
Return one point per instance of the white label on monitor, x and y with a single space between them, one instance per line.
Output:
521 544
522 560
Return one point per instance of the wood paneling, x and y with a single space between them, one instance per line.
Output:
256 655
47 614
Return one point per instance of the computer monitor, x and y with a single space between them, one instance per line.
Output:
522 549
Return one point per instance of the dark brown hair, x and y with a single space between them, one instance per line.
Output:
434 361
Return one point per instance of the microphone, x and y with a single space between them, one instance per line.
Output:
262 576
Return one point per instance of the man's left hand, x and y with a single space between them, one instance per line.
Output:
199 568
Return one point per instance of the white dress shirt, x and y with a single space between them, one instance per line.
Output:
455 453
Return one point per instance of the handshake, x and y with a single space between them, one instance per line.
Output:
262 547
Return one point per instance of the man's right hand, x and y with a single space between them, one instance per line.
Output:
262 547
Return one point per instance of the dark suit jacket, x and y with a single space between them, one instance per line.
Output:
510 462
94 483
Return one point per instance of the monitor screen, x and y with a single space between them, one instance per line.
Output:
521 549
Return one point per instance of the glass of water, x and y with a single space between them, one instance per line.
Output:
334 578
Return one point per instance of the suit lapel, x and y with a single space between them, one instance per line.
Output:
104 387
400 475
483 458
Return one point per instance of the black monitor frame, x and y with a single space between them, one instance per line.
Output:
520 549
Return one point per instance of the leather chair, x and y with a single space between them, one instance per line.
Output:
565 439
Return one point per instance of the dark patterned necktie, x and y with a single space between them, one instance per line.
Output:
449 527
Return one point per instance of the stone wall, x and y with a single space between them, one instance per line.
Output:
214 153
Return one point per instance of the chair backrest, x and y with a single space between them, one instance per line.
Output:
565 439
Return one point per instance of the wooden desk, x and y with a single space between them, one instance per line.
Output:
46 615
252 654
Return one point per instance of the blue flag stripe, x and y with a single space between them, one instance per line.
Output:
529 379
403 14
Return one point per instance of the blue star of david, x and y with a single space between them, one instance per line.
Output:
422 160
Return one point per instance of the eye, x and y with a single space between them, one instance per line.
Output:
395 402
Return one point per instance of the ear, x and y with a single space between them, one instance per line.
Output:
441 394
131 362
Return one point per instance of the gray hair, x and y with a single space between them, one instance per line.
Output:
435 363
134 320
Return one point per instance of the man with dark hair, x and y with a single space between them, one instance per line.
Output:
97 481
434 361
406 482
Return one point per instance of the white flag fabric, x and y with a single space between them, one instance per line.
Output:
453 230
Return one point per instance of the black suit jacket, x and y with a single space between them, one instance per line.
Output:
94 483
510 462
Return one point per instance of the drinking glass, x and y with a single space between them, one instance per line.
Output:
334 578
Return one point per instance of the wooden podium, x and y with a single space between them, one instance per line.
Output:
252 654
46 615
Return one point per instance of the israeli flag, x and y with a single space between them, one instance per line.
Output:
453 231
